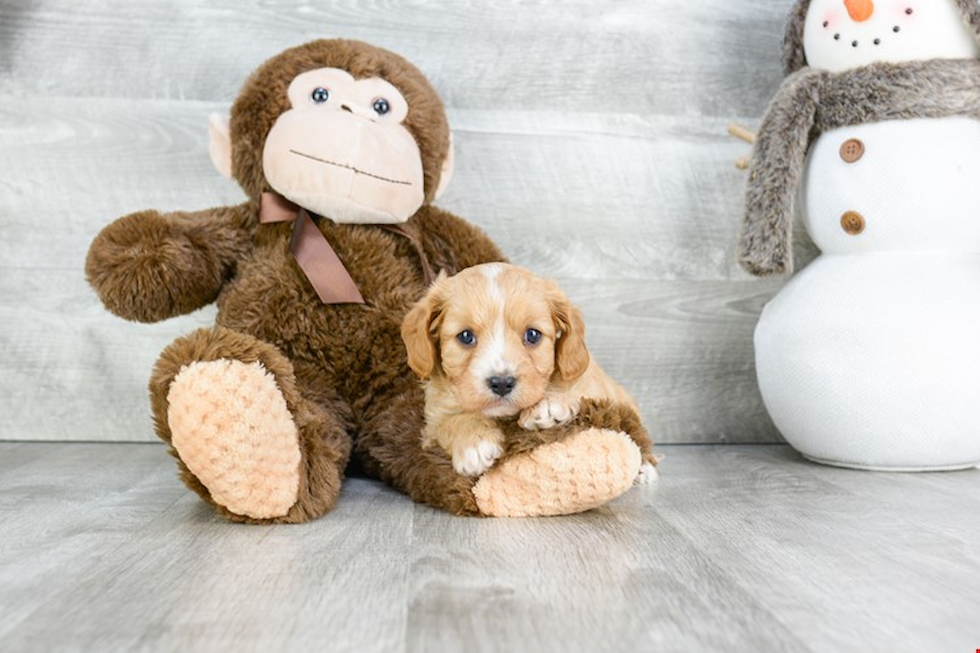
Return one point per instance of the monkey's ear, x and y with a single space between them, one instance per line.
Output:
219 146
447 169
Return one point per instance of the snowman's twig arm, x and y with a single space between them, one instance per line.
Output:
765 245
738 131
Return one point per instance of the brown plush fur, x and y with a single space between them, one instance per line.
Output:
342 369
149 267
811 102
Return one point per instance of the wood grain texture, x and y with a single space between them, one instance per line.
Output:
742 548
591 145
127 559
839 557
712 57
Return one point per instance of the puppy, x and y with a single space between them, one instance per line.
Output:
496 341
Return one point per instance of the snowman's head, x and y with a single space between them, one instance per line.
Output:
838 35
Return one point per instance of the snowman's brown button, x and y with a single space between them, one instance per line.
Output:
851 150
852 222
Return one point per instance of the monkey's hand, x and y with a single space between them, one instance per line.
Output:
149 266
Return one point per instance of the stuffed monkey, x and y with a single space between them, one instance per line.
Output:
340 147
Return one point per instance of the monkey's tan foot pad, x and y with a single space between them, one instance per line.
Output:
232 429
579 473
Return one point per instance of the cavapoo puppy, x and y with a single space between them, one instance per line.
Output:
496 341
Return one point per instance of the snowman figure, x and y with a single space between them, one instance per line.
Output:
870 356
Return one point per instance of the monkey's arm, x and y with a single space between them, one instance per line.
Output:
451 243
777 164
150 266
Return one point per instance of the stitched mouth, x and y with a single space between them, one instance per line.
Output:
350 167
858 43
855 43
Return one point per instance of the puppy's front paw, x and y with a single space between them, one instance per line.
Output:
474 460
550 411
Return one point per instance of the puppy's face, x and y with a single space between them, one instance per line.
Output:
497 335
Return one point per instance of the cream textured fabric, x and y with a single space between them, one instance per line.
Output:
522 487
232 428
873 360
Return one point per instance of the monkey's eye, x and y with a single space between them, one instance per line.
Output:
320 95
532 336
466 338
381 106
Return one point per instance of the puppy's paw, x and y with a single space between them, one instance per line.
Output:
550 411
648 474
474 460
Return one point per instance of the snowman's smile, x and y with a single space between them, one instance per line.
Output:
867 33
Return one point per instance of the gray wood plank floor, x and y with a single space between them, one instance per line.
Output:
738 548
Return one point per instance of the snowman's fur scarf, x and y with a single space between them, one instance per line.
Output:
794 58
810 102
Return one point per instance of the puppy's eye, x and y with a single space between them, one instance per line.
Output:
532 336
466 338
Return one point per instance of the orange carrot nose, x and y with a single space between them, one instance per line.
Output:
859 10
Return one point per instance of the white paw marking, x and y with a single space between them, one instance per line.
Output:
648 474
473 461
549 412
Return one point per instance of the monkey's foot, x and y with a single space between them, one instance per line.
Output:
232 429
579 473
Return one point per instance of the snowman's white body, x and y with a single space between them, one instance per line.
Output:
870 356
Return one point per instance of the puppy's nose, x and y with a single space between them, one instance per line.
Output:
501 385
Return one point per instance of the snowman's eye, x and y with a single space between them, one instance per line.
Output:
908 11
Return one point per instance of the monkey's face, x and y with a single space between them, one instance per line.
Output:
342 150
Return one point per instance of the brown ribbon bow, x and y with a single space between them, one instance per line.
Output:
324 269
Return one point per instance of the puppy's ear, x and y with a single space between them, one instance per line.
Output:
420 330
571 354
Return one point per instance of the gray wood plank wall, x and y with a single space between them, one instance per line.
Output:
590 142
